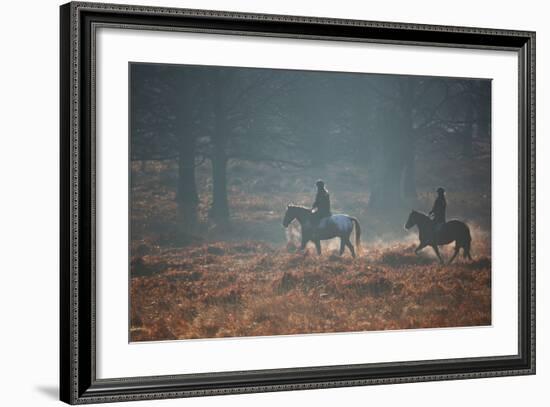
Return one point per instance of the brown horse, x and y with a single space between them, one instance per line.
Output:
452 231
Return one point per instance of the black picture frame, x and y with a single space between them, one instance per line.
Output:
78 382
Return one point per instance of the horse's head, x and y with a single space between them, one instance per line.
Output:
411 221
290 215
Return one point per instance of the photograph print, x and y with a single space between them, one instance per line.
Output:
281 202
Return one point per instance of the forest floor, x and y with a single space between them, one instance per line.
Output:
247 279
253 289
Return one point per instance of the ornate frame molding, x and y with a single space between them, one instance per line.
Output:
77 250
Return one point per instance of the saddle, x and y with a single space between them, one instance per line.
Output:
320 224
323 223
437 229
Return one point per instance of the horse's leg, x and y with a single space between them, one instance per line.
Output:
342 245
436 249
457 249
421 245
466 251
304 242
318 246
350 247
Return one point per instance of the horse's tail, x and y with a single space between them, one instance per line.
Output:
467 244
357 232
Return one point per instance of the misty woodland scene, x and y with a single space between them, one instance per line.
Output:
280 202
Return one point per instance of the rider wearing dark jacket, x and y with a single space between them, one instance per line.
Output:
438 211
321 206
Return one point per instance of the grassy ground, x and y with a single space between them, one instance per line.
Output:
250 289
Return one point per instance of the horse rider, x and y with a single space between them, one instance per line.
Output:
438 211
321 206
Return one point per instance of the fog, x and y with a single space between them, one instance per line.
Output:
238 144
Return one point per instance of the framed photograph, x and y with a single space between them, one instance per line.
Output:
255 203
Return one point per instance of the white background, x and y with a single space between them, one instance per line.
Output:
29 205
116 358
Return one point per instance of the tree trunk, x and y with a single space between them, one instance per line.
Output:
408 178
396 167
219 211
408 153
220 208
467 135
386 182
187 196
